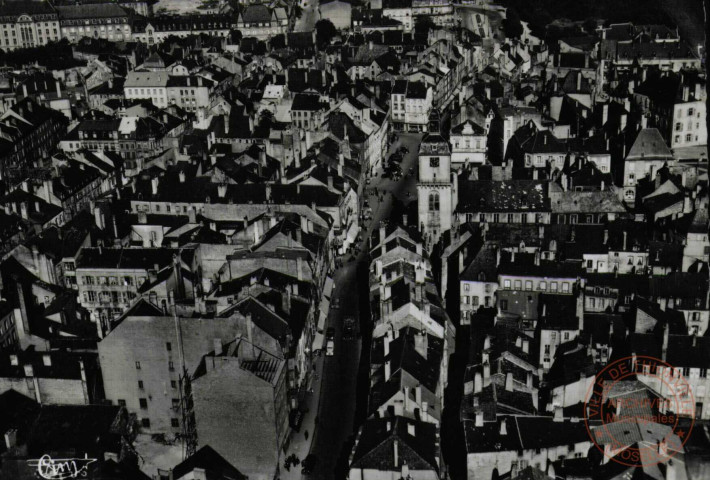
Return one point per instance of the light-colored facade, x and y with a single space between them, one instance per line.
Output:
145 354
105 20
436 189
27 25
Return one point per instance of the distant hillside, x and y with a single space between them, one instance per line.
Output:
539 13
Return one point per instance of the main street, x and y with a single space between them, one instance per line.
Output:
337 392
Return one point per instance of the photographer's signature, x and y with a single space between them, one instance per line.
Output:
61 468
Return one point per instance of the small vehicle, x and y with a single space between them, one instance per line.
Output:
308 464
330 348
349 328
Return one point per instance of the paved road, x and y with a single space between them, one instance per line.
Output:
310 16
337 394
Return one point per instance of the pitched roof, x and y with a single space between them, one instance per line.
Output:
649 145
416 445
214 465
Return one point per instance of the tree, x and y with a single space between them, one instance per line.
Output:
511 25
423 24
325 32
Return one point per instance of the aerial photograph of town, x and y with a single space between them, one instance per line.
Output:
354 240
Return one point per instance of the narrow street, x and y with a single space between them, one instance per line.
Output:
338 386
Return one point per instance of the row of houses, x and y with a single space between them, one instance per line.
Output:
411 341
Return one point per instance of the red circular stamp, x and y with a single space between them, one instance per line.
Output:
639 411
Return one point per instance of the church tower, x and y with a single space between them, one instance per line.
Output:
436 188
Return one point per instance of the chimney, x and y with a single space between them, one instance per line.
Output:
388 370
664 350
142 218
503 428
486 374
558 414
11 439
23 307
526 346
222 190
529 379
477 382
47 360
421 343
396 453
154 185
479 419
217 347
299 268
605 118
625 238
59 88
23 210
404 219
686 93
99 218
509 382
181 176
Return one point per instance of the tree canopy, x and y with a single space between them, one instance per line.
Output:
325 32
511 25
423 24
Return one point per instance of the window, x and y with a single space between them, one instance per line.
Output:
482 217
474 301
504 304
173 384
566 335
434 162
678 127
140 384
434 202
174 423
145 422
553 286
518 284
121 402
171 366
506 284
688 138
547 349
138 365
510 218
168 346
565 287
143 402
542 286
691 112
573 219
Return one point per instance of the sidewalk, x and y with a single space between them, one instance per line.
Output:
299 444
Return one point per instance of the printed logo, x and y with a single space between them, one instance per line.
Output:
61 468
634 410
